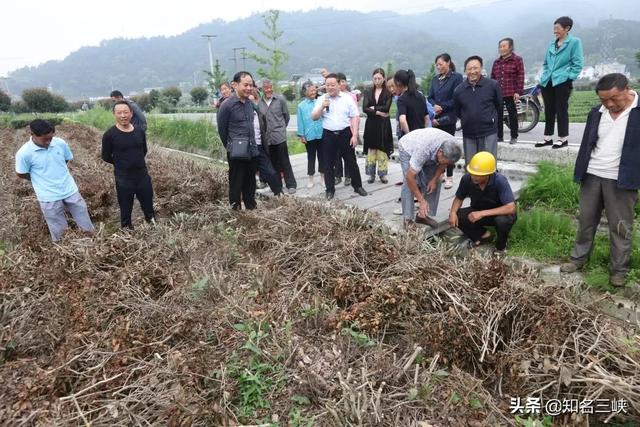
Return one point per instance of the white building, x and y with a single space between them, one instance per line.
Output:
602 69
587 73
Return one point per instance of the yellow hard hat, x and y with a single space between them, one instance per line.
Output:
482 163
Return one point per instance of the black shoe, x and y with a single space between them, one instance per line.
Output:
560 144
338 180
361 191
330 195
500 139
543 143
371 179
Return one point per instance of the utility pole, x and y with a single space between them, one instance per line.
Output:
209 37
235 58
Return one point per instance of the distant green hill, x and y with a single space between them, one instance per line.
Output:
349 41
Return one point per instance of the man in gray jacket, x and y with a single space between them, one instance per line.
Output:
274 108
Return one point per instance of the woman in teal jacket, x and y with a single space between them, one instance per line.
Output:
563 63
310 133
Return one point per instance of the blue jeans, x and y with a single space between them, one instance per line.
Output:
422 179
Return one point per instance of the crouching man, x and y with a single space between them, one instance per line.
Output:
43 161
492 203
424 156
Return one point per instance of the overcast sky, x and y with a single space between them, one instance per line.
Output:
35 31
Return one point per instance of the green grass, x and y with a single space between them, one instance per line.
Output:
18 121
295 146
96 117
199 136
552 187
580 103
542 235
546 226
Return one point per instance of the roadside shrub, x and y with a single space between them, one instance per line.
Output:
40 100
289 93
172 95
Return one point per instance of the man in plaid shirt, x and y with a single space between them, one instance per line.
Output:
508 71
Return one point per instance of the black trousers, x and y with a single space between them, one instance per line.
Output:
136 186
336 145
556 106
267 172
475 230
339 171
314 149
513 118
450 129
280 158
242 183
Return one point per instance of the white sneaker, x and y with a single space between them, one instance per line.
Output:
398 211
310 183
448 183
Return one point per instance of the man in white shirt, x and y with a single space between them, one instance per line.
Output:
340 118
608 170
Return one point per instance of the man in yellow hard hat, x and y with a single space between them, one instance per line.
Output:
492 203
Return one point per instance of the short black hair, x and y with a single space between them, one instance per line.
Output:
613 80
341 76
508 40
472 58
121 102
332 76
564 21
41 127
240 74
116 93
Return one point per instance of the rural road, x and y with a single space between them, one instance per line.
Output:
535 135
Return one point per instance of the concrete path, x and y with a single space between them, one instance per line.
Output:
383 198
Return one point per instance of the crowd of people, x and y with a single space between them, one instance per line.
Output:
252 123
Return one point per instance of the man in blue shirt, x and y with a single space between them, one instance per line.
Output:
43 161
492 203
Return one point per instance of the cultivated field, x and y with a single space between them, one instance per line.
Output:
299 313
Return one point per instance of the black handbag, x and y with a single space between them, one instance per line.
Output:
239 149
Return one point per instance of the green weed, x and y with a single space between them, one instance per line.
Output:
360 337
530 421
258 376
543 235
551 187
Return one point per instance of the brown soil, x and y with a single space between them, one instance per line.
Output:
297 312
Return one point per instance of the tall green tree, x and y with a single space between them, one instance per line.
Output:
274 57
425 84
389 68
216 78
5 101
638 58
